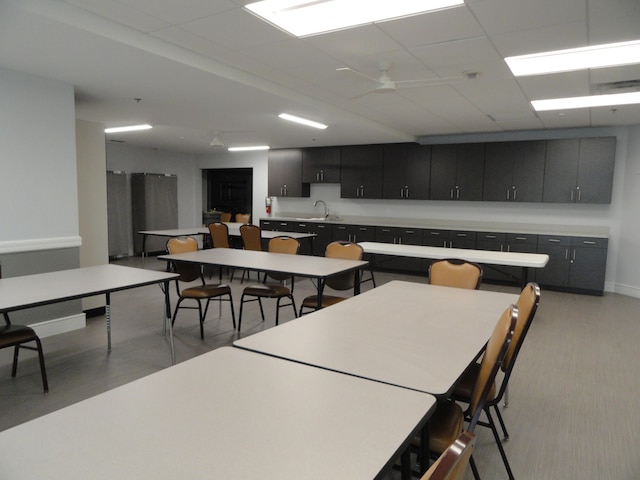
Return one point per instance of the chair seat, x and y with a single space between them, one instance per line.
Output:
327 301
15 334
464 386
269 290
206 291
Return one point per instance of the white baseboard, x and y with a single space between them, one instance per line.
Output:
628 290
60 325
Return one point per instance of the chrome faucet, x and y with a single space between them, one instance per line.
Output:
326 210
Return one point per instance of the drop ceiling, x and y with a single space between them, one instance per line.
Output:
203 69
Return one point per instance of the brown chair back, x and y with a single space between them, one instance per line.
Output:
283 244
347 251
251 237
219 235
453 462
243 218
225 217
451 272
188 271
527 304
492 359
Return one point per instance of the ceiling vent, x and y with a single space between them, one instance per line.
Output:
617 87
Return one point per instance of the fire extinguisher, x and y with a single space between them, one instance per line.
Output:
267 204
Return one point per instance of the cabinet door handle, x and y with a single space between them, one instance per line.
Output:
317 177
589 242
457 192
566 253
402 193
507 194
521 238
553 240
490 236
515 193
451 194
573 256
572 195
322 175
407 190
579 193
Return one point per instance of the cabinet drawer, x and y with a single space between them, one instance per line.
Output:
491 236
589 242
521 238
559 240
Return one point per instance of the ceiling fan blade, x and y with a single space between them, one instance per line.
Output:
356 72
428 82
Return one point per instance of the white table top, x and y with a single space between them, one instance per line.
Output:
43 288
535 260
407 334
301 265
227 414
234 231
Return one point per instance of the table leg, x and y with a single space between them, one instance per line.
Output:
423 453
525 277
356 285
320 290
107 314
144 247
167 312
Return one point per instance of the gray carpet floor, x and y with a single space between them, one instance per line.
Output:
573 394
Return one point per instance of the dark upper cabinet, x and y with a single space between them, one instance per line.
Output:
457 171
321 165
361 171
579 170
285 173
514 171
406 171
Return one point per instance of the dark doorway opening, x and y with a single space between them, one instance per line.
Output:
229 190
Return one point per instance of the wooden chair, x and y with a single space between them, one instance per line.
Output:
190 272
453 462
243 218
16 336
446 422
219 233
273 290
225 217
527 306
452 272
341 281
252 240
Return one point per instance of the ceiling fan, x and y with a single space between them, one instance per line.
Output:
384 83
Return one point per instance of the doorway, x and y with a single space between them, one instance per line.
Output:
229 190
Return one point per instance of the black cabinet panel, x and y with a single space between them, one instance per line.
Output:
321 165
407 169
514 171
457 171
579 170
361 171
285 174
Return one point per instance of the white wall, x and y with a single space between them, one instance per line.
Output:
92 195
628 260
38 187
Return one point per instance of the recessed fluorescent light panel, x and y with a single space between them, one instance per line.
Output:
586 102
129 128
248 149
302 121
308 17
598 56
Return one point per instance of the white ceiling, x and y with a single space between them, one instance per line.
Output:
202 67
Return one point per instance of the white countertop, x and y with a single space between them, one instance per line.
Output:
597 231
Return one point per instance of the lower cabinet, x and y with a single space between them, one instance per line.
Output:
576 264
401 236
